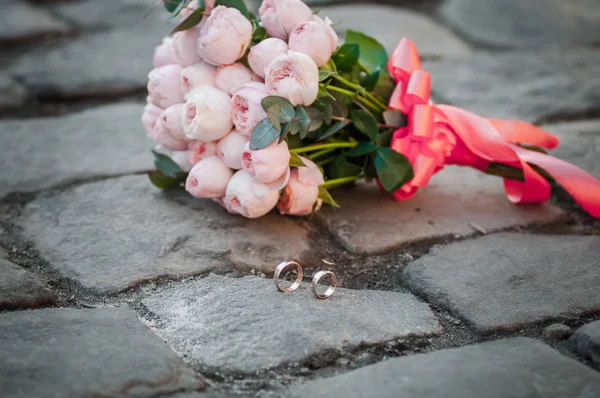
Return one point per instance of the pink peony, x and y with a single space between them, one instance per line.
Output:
181 158
164 87
231 148
231 77
249 197
170 121
197 75
279 17
269 164
166 140
246 108
150 115
314 38
163 53
207 114
198 150
184 47
225 36
302 191
208 178
293 76
262 54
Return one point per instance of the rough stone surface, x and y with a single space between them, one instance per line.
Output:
221 322
520 85
83 353
516 23
39 153
20 21
557 331
370 221
376 19
588 341
12 94
507 280
117 233
579 144
516 368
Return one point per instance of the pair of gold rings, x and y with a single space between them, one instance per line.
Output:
288 265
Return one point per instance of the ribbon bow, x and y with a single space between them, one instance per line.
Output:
437 135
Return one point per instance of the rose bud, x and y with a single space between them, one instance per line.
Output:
207 114
184 48
268 164
197 75
225 36
164 86
295 77
198 150
262 54
246 108
166 140
302 191
181 158
280 17
162 53
248 197
170 121
314 38
150 115
208 178
231 148
231 77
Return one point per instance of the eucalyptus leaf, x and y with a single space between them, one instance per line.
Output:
346 56
286 109
264 134
363 148
273 114
372 52
296 160
285 129
165 164
316 118
325 196
303 120
237 4
192 20
162 181
393 169
365 123
334 129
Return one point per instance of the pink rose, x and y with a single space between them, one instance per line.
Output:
197 75
164 87
302 191
246 108
231 77
198 150
162 53
225 36
208 178
269 164
231 148
181 158
170 121
293 76
166 140
150 115
249 197
279 17
207 114
314 38
184 47
262 54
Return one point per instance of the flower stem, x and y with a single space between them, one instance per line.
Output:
311 148
338 182
351 94
326 161
321 153
361 90
382 125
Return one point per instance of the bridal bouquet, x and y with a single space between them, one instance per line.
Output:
268 111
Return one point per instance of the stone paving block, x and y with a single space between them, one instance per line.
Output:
245 324
376 20
515 368
21 21
370 221
103 141
579 144
84 353
522 24
117 233
527 85
12 94
587 338
506 281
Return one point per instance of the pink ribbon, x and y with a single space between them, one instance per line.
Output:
437 135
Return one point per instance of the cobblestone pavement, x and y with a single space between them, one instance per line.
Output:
110 288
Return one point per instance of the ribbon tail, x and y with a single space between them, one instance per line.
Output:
520 132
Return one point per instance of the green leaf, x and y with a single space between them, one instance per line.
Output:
177 10
325 196
330 66
296 160
259 35
346 56
372 52
237 4
371 80
171 5
263 135
341 168
273 114
286 129
325 74
165 164
162 181
192 20
385 138
393 169
385 85
316 118
361 149
334 129
303 120
286 109
365 123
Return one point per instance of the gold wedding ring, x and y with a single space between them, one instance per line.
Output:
285 266
331 288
